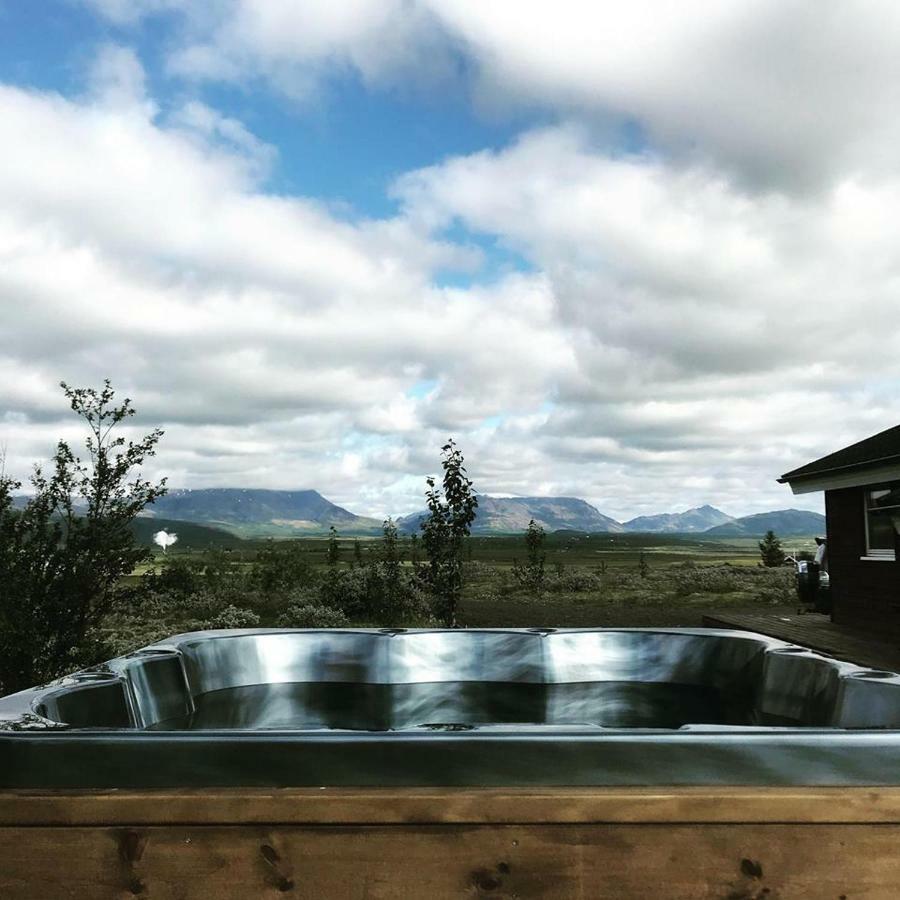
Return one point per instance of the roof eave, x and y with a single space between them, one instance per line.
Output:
843 477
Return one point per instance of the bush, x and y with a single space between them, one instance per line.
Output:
707 580
310 615
281 567
574 581
233 617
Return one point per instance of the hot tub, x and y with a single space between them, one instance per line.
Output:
504 707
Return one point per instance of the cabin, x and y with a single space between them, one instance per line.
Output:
862 508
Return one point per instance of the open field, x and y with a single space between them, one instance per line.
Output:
570 549
590 580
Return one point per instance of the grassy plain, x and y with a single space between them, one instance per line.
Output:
638 580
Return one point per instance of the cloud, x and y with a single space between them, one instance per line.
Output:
694 316
711 327
783 93
261 331
298 46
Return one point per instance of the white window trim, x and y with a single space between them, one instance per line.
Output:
873 555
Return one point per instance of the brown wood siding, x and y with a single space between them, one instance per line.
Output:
615 843
865 593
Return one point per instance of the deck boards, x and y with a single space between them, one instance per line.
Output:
817 632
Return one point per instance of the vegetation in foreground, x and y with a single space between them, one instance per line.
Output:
63 556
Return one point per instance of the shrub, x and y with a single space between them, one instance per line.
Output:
233 617
310 615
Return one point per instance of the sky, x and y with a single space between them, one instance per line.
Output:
641 253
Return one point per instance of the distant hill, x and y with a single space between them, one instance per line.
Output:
190 534
252 513
256 512
508 515
783 522
702 518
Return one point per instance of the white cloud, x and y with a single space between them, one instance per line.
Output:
699 316
712 328
295 45
262 332
783 92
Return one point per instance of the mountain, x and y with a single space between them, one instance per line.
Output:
190 534
256 512
506 515
701 518
783 522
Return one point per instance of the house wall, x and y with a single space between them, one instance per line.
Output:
865 593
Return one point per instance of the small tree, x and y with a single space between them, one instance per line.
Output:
532 574
643 566
333 553
63 555
451 511
770 550
390 556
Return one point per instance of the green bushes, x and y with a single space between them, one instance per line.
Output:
310 615
233 617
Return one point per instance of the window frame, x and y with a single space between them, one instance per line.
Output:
877 554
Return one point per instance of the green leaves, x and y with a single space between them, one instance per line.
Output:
532 574
451 512
770 550
63 555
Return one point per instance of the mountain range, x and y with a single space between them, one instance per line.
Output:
259 513
693 520
507 515
784 522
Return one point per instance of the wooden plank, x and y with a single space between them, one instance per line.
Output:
815 631
329 806
740 862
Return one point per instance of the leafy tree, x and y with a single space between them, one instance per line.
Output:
643 566
451 511
390 557
357 553
532 574
771 551
280 567
63 555
333 553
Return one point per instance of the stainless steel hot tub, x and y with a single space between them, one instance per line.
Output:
457 707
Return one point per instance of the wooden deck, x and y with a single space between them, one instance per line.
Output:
817 632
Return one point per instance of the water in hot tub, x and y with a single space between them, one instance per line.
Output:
373 707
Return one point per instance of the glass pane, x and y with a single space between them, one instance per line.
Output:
883 496
881 531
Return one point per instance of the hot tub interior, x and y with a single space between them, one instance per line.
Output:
460 680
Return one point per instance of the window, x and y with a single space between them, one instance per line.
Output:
882 510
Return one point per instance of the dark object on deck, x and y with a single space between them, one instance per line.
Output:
813 592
